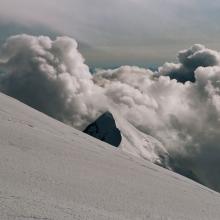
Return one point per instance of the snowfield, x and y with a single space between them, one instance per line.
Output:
49 171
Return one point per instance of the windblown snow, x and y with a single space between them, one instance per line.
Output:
50 171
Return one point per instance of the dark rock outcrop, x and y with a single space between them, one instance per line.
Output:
104 129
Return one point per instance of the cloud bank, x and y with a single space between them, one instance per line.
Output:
157 113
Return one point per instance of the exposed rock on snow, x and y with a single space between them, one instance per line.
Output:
104 129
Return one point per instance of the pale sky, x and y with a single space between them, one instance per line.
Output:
118 32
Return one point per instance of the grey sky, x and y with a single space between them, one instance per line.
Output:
123 31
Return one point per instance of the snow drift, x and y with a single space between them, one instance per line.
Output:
174 111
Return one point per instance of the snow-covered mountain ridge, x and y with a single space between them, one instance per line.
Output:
49 170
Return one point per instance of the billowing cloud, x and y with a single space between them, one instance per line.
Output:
48 75
189 61
157 114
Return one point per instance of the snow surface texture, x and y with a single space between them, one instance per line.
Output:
50 171
157 113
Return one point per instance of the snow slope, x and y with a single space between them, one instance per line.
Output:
51 171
